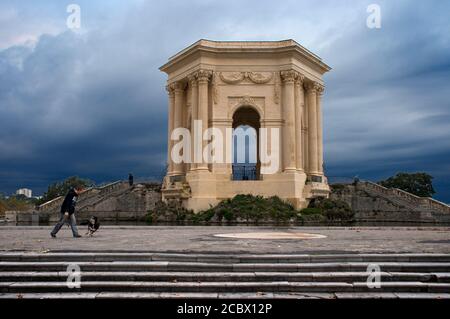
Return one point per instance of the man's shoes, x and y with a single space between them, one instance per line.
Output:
78 236
53 235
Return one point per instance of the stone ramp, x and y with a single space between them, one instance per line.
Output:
206 275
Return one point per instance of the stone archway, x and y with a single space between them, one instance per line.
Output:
248 119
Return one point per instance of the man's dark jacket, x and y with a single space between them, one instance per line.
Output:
69 202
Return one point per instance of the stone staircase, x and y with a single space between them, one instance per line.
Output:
123 274
373 202
404 198
89 195
113 202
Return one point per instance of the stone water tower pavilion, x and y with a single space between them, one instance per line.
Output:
267 84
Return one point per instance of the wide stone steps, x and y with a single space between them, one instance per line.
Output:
225 276
240 296
89 286
208 275
220 258
215 267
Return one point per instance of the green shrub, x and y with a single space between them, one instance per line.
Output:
332 209
337 187
315 218
149 218
251 209
311 211
170 212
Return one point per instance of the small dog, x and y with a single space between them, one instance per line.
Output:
93 226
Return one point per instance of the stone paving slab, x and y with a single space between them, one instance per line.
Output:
201 239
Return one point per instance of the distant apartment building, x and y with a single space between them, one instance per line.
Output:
24 191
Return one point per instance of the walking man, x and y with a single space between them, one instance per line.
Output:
67 213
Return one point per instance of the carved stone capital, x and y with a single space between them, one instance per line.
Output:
192 79
300 80
178 87
320 89
170 89
289 76
314 87
204 76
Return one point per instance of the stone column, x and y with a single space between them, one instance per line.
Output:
320 90
288 112
203 77
194 115
178 119
311 97
305 136
299 105
170 118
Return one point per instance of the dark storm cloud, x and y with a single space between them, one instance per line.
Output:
386 106
94 104
74 107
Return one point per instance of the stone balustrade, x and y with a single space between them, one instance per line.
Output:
106 189
425 202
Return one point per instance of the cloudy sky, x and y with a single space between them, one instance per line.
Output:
92 103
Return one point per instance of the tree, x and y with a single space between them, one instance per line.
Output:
16 203
61 188
419 184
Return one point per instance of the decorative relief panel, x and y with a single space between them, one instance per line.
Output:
237 77
231 77
259 77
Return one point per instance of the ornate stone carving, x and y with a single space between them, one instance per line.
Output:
192 78
170 89
237 77
313 87
215 89
277 88
246 100
300 79
231 77
259 77
320 89
289 75
178 86
236 102
204 75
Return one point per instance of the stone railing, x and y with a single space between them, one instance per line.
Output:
435 204
425 202
111 187
50 205
101 193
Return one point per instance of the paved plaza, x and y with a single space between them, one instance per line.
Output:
204 239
